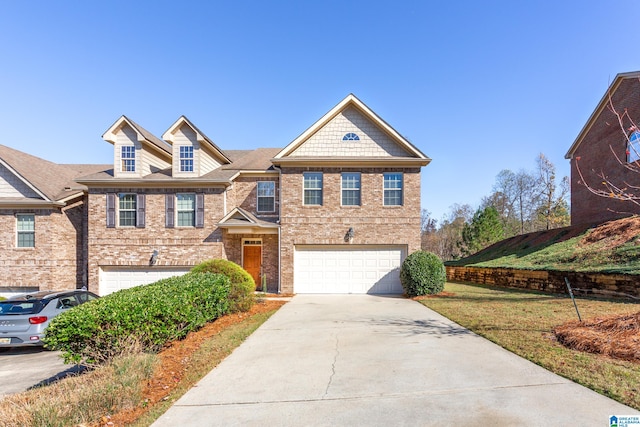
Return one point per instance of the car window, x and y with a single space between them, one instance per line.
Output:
19 307
85 297
67 302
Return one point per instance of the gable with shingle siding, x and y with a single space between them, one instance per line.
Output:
328 141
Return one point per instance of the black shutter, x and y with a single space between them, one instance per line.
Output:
140 223
199 210
169 210
111 210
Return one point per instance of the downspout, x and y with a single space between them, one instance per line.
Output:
224 201
279 228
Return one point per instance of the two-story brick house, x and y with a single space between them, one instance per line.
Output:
42 223
608 145
335 211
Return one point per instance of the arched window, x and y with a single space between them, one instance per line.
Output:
633 147
351 137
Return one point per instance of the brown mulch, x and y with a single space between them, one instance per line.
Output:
174 362
614 233
614 336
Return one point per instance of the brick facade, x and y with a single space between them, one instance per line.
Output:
80 238
373 223
58 260
602 137
132 247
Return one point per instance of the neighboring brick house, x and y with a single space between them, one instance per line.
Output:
606 145
336 211
42 223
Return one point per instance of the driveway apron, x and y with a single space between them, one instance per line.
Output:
349 360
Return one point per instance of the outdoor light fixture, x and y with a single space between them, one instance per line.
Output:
349 236
154 257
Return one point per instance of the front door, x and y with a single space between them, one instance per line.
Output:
252 260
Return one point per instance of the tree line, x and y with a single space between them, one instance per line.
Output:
520 202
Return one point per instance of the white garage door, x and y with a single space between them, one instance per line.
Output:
115 278
348 269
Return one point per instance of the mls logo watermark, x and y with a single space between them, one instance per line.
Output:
624 421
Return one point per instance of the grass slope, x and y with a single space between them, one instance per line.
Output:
612 247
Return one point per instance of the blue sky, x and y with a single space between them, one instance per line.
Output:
478 86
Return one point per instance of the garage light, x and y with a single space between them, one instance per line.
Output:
348 238
154 257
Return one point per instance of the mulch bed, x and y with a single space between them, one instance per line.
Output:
174 361
614 336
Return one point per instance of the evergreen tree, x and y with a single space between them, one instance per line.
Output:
484 229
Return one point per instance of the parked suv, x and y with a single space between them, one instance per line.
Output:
24 318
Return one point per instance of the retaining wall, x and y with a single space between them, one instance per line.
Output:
595 284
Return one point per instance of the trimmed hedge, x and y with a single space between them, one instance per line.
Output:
422 273
143 318
243 287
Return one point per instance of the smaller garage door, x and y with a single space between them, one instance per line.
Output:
115 278
348 269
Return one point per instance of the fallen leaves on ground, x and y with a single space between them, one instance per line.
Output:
613 336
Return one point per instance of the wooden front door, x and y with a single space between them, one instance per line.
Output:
252 260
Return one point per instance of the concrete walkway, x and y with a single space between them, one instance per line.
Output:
362 360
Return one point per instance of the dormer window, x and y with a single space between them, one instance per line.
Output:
351 137
186 159
128 158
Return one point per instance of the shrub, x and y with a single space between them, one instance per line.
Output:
242 291
422 273
143 318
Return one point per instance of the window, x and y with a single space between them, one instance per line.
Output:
633 147
184 210
128 157
127 210
266 196
351 137
186 159
350 189
312 188
26 230
393 189
186 204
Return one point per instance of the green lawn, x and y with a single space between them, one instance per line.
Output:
563 249
522 322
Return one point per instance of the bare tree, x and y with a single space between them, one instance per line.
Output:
552 207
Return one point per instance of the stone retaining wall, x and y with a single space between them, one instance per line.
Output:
595 284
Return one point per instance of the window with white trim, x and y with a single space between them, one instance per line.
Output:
186 209
266 196
633 147
312 188
186 159
351 189
26 227
127 210
351 137
128 158
393 189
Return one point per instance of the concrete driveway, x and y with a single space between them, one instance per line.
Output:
380 361
24 367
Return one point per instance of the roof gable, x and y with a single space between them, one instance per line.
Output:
327 137
143 136
602 105
239 221
208 144
33 178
